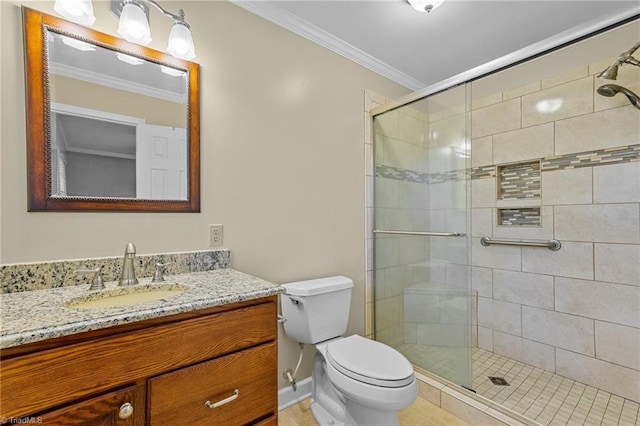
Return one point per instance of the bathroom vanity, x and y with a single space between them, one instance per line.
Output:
206 357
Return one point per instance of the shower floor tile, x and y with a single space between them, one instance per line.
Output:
547 398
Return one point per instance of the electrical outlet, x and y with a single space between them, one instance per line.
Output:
215 235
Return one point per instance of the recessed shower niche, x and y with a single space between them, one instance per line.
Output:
519 194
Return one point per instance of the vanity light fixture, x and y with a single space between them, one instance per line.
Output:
133 22
425 5
78 11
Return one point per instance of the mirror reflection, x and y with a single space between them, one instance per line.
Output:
118 124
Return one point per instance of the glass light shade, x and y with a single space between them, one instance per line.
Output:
181 42
172 71
133 25
131 60
78 44
425 5
78 11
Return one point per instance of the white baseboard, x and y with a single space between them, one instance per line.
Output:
287 397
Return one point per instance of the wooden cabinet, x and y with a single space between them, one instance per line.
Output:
112 408
165 368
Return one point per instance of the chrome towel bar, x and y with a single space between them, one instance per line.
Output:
551 244
423 234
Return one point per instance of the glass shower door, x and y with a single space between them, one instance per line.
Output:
423 298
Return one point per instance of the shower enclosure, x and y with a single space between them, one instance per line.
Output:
507 232
422 282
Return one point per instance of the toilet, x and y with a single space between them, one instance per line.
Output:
355 381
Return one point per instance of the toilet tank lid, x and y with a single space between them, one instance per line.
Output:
317 286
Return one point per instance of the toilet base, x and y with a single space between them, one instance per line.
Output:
327 405
322 416
360 415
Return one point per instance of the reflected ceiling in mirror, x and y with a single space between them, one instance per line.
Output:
119 122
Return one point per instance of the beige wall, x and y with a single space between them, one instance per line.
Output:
282 135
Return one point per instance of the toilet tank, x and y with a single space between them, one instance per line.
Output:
316 310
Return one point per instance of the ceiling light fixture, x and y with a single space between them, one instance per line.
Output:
134 23
425 5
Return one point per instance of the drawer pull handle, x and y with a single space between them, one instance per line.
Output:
126 410
224 401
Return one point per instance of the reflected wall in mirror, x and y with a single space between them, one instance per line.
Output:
110 125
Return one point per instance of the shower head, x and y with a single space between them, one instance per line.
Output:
611 73
610 90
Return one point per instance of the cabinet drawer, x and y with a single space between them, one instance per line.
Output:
179 397
107 409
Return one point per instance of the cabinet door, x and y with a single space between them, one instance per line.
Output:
236 389
105 410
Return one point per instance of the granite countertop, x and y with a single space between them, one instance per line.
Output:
32 316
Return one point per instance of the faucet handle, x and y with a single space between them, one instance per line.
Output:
97 283
158 274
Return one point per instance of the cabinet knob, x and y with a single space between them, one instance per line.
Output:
126 410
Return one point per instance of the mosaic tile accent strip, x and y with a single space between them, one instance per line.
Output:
518 181
519 217
483 172
389 172
396 173
453 175
601 157
42 275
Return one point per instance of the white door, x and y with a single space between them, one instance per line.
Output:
161 163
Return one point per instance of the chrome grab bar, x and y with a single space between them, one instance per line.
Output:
554 245
423 234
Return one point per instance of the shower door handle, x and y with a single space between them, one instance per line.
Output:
419 233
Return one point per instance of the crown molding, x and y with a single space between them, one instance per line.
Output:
116 83
288 20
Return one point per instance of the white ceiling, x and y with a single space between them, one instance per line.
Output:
420 49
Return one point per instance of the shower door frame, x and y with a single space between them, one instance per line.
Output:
376 104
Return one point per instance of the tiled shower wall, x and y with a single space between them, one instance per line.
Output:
576 311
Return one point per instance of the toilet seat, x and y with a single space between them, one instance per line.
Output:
371 362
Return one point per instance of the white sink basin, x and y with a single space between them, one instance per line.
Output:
127 296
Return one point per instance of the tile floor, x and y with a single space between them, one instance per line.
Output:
548 398
420 413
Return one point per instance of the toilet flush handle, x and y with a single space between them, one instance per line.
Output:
295 301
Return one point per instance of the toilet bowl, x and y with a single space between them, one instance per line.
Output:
355 381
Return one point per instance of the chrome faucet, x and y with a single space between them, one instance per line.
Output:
128 276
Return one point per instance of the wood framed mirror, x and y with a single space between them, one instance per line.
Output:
111 125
